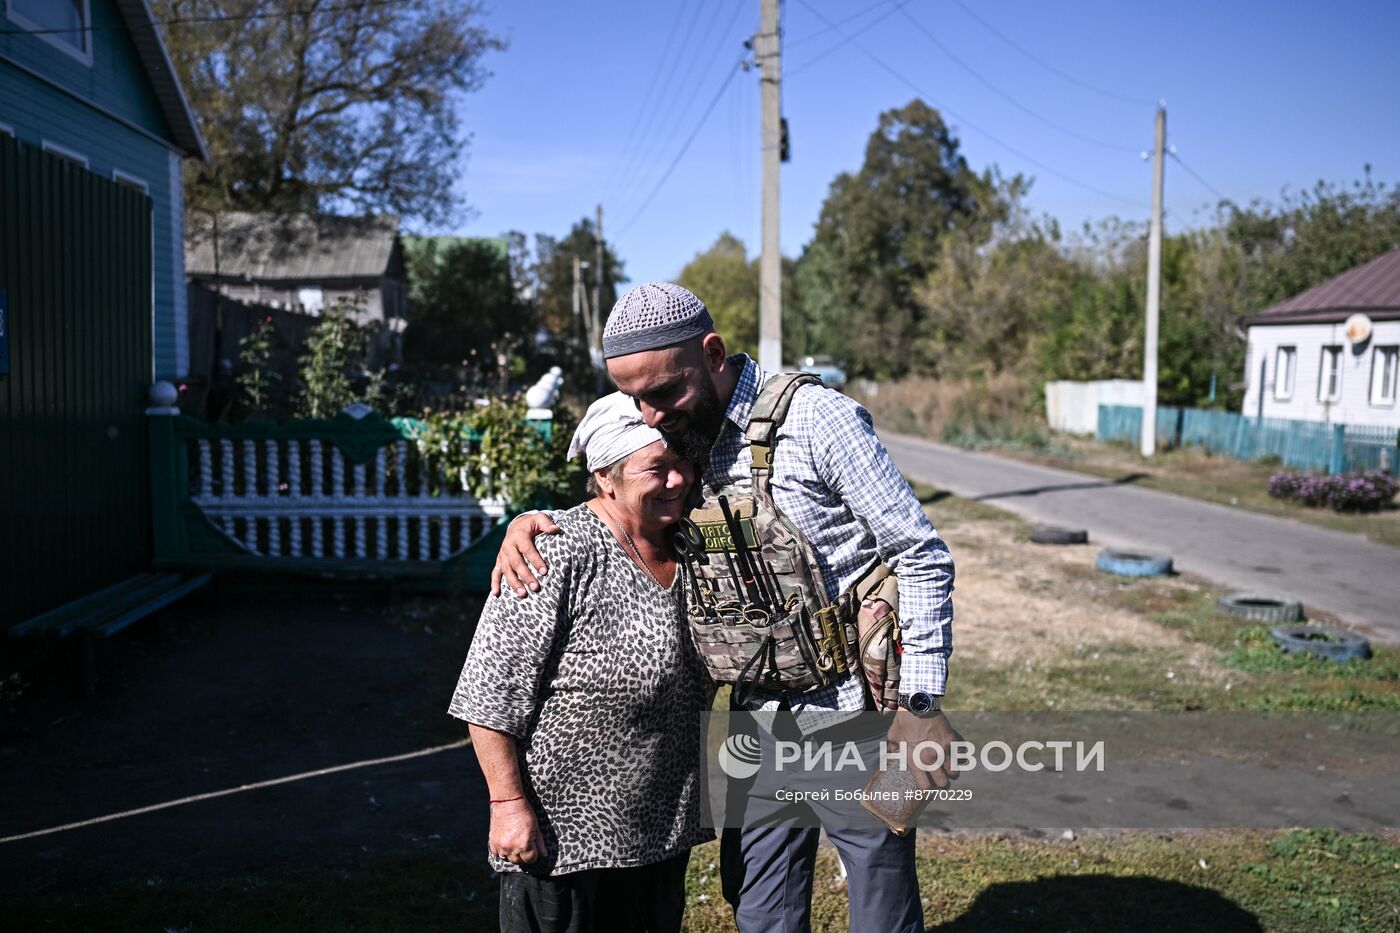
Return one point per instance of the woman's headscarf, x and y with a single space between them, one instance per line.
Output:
612 429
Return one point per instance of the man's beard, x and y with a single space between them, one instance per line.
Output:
702 428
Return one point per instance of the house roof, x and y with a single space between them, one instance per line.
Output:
173 103
1372 288
301 248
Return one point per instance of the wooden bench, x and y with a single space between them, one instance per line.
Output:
108 611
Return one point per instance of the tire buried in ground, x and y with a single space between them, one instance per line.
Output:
1133 563
1056 534
1258 607
1322 642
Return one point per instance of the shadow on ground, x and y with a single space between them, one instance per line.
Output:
1101 903
208 699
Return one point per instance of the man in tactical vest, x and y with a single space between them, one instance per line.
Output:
799 513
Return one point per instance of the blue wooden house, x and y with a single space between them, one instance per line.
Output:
90 81
94 129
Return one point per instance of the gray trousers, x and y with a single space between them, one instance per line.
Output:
767 863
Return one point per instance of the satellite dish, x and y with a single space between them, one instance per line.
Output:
1358 329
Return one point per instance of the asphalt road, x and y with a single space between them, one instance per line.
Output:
1345 574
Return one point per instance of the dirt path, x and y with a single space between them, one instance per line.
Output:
210 700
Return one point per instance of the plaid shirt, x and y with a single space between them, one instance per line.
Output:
834 479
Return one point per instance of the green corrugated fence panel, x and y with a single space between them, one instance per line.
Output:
1304 445
75 261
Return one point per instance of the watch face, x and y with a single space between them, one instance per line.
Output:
920 703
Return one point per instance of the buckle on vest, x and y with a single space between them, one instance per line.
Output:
762 456
832 643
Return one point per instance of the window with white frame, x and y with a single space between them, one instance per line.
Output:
1329 375
1285 365
64 24
63 152
1385 367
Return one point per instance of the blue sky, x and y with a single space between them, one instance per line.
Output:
582 107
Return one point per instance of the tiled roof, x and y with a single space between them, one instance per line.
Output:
302 248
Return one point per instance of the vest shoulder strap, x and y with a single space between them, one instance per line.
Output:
770 410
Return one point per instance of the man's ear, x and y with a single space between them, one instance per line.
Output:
712 346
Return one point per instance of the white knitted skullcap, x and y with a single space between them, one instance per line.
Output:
654 315
612 429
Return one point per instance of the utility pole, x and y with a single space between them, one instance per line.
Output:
1154 291
768 57
598 296
581 329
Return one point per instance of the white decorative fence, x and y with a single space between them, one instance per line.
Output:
305 498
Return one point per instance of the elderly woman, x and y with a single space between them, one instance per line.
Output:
585 702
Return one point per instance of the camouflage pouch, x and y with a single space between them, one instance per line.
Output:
878 638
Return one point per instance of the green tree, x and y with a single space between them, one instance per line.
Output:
461 299
724 278
878 238
321 106
553 274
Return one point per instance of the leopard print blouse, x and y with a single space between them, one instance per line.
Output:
596 677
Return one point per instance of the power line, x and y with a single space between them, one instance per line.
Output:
674 114
191 20
652 87
973 126
898 7
840 22
684 148
1046 65
1119 147
1194 174
667 107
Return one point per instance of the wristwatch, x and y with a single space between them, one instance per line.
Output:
920 704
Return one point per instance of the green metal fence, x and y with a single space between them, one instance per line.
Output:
75 267
1305 445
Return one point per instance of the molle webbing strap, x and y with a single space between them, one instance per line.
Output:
769 411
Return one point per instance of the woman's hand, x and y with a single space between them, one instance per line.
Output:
518 564
515 833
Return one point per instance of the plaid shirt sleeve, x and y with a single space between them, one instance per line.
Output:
856 466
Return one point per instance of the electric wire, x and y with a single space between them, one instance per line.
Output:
898 7
674 115
928 34
1196 175
223 18
671 111
651 90
973 126
1046 65
789 46
685 147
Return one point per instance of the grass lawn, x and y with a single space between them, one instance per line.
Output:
1192 472
1038 628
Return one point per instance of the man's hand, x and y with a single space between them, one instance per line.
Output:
517 562
910 730
515 833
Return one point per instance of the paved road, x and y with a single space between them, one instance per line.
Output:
1357 579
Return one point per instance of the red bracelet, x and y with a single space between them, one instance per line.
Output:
509 799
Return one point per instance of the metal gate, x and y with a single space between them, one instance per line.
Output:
75 272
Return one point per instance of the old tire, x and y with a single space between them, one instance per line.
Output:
1054 534
1258 607
1133 564
1319 641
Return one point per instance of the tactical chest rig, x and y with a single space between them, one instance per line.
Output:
758 610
